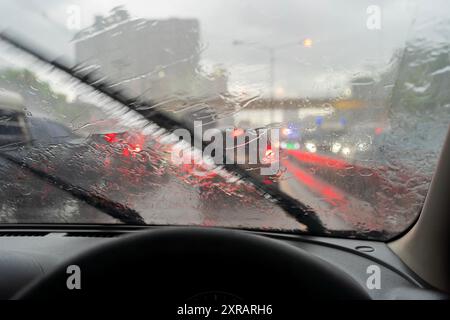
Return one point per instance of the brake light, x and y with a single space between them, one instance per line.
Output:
110 137
131 142
131 150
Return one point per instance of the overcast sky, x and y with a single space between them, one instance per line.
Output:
342 45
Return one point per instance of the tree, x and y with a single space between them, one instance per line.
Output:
39 95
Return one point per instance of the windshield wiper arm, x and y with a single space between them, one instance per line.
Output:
296 209
111 208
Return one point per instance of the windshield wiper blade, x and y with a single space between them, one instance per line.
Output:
111 208
296 209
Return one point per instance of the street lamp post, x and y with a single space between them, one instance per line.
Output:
307 42
271 74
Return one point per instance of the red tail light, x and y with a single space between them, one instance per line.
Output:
131 142
134 147
126 152
110 137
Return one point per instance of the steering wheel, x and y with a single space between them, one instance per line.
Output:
183 264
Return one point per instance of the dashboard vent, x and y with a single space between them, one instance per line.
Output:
22 234
93 234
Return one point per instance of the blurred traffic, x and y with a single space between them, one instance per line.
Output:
360 116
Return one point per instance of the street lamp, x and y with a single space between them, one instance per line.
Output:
307 42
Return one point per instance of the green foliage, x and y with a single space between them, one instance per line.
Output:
38 93
423 79
25 81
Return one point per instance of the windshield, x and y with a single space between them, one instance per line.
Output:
322 117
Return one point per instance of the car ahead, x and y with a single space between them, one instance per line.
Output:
18 127
29 137
313 131
23 136
241 145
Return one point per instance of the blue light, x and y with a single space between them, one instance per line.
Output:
319 120
291 131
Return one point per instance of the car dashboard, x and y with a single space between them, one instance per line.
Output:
28 253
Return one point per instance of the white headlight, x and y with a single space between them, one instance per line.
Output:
336 147
363 146
346 151
311 147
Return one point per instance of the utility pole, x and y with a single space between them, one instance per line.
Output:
307 43
272 74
